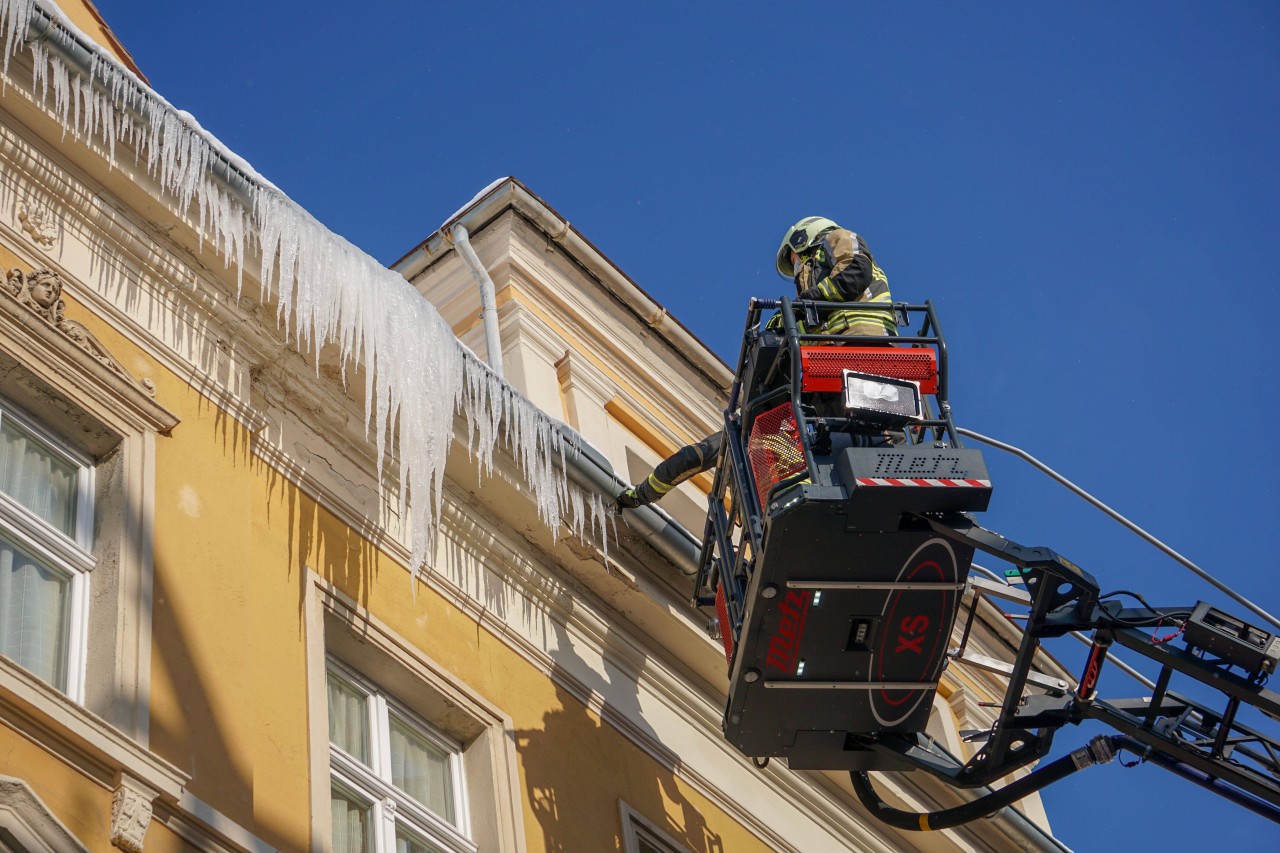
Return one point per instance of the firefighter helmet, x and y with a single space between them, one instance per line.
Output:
799 237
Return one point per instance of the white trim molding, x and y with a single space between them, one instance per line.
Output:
27 824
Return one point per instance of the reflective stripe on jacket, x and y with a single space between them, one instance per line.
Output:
839 268
680 466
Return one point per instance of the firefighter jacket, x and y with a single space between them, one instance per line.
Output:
839 268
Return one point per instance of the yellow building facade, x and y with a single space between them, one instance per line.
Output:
213 631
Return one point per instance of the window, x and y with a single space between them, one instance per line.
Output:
368 660
641 836
46 519
396 783
71 513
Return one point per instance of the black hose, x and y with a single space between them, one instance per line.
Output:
1100 750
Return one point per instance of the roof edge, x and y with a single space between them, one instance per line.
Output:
512 193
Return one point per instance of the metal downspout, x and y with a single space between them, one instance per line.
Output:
511 193
488 303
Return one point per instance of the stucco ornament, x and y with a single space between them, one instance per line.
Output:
41 292
130 814
39 222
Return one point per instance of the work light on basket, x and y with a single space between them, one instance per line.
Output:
880 401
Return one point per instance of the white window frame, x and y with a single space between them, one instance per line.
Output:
70 556
371 783
636 826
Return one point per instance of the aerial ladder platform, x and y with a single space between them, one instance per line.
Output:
837 555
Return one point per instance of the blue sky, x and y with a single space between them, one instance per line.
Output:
1089 192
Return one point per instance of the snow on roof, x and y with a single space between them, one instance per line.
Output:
475 198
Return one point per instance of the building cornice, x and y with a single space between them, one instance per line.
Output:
141 272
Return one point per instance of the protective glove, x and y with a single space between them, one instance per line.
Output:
629 498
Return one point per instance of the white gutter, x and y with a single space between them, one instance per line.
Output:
592 471
488 304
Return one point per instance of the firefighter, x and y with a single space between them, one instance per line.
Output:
828 264
832 264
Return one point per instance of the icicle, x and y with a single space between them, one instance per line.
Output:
417 374
14 15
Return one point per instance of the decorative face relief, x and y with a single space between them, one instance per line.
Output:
40 291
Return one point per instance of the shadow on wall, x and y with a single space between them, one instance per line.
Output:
511 585
208 662
180 309
576 767
197 735
316 540
179 312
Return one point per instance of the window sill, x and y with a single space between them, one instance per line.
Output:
84 740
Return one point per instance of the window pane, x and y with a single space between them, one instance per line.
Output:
348 719
33 476
644 845
421 769
406 843
352 829
34 603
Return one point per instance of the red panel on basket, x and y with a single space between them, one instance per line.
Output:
722 612
773 449
822 368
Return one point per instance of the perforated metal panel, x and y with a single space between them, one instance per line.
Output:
823 367
773 450
726 629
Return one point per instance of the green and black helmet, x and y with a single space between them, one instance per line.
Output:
800 237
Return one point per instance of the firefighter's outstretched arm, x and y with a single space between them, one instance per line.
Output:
686 462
